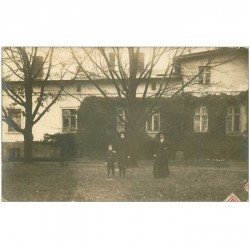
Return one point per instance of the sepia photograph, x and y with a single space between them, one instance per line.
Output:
125 124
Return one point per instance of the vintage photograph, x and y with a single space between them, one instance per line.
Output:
125 124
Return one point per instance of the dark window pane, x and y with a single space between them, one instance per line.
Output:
78 88
153 86
229 110
73 122
66 122
236 110
149 124
229 123
15 115
207 78
156 122
236 123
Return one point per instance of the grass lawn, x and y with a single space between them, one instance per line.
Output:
87 182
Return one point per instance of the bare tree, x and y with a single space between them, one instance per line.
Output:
26 74
126 74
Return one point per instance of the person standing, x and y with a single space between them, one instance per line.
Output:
122 155
160 169
110 161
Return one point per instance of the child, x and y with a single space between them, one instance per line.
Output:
110 160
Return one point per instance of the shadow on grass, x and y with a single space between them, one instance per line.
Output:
38 182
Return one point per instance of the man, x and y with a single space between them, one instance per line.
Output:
122 155
160 169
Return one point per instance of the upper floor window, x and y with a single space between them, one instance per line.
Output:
120 120
112 60
69 118
38 64
153 123
200 119
233 119
15 115
140 62
204 74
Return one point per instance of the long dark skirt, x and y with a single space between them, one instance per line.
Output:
160 169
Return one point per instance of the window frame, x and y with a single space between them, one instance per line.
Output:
233 115
152 121
201 115
10 128
119 124
205 75
75 115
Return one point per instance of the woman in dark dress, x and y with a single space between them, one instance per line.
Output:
161 169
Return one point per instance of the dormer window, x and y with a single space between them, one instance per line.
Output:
204 75
78 88
153 86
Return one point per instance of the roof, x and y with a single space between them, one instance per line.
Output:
99 81
219 50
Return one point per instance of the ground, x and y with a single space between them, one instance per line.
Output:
86 181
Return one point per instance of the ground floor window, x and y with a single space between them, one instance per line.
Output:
14 154
69 118
200 119
233 119
120 120
153 122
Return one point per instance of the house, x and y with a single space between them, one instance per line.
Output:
222 82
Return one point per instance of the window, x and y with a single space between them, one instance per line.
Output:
204 74
120 120
140 63
14 154
78 88
15 115
153 123
200 119
153 86
233 119
69 120
112 60
38 67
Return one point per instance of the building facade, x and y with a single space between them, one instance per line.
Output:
188 116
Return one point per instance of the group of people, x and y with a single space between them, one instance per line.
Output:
120 159
122 156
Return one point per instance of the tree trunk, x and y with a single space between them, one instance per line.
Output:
133 144
28 141
28 137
